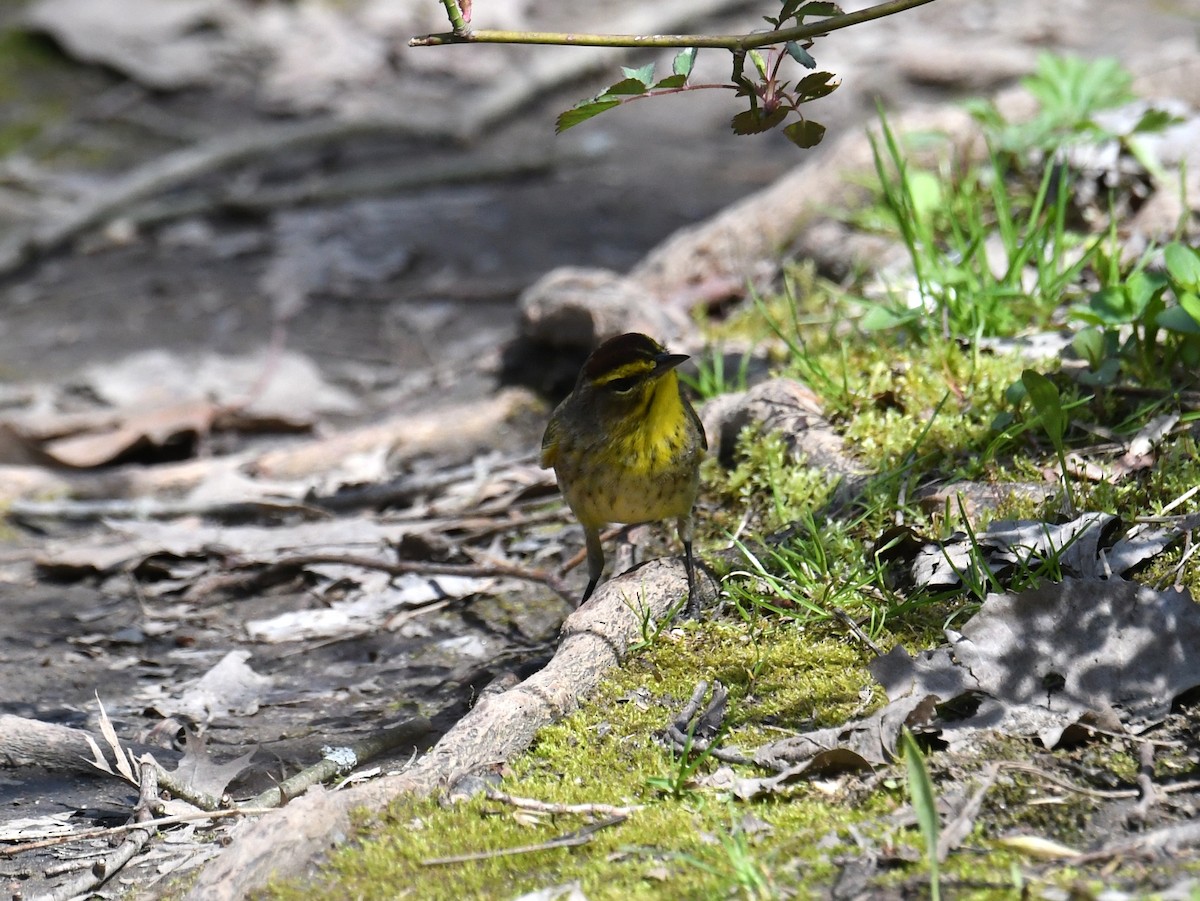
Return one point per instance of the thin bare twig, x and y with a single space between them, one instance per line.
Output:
960 826
341 760
1148 795
571 840
536 806
737 42
1148 844
107 831
104 869
427 568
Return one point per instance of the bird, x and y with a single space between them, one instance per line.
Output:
626 446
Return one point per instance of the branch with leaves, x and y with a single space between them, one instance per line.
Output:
772 100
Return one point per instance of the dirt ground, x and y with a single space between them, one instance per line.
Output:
411 310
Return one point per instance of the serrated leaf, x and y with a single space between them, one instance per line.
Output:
789 9
817 85
581 113
625 87
644 74
683 62
671 81
799 9
817 8
800 55
755 121
805 133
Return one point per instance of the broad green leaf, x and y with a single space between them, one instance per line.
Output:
817 85
1111 306
1154 120
926 191
671 81
878 319
755 121
1105 374
1140 290
644 74
805 133
1191 303
1089 344
1183 265
625 87
800 55
1179 319
582 113
683 62
1048 403
1015 393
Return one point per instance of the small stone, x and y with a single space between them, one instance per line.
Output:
574 307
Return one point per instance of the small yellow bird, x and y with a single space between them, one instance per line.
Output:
626 446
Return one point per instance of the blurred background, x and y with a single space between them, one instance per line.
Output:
215 173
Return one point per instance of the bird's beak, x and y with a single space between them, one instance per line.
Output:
663 362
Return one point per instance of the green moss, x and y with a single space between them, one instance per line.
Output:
693 844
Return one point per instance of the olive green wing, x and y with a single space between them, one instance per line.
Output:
691 412
550 444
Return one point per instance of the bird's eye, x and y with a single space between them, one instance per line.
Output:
622 386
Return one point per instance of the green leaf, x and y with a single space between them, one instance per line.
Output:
1089 344
1183 265
800 55
1105 374
582 113
755 121
1110 305
1048 403
1177 320
625 87
805 133
1154 120
1191 303
817 85
759 63
878 319
920 791
1015 393
1141 289
671 81
683 62
799 10
644 74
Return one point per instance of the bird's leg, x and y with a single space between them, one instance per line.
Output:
692 610
595 558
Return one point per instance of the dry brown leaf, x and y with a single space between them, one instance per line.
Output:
134 432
